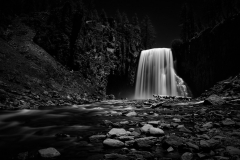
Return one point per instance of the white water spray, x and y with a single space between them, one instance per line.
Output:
156 74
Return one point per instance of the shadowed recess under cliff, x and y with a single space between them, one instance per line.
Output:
156 75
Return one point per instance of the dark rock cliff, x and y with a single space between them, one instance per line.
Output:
210 57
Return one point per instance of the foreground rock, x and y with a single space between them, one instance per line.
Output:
49 152
214 100
117 132
113 143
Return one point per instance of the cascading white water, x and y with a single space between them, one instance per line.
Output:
156 74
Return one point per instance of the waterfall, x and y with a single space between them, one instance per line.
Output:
156 75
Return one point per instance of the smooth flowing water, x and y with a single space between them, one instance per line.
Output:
156 75
30 130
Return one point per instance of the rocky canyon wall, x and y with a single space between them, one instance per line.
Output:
211 56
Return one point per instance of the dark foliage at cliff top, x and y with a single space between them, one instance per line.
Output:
208 49
82 38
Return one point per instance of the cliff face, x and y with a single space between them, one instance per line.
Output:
211 57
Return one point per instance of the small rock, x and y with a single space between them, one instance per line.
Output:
126 138
97 138
180 126
184 129
49 152
194 146
145 128
208 125
228 122
156 131
131 129
204 144
113 143
165 125
170 149
154 123
205 136
129 143
174 125
232 150
124 122
212 142
145 142
173 141
214 100
117 132
200 155
187 156
235 134
176 120
131 114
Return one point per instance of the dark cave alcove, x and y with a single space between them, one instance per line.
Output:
119 86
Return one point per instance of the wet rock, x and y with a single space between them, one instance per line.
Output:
145 128
113 143
204 144
117 132
124 122
235 134
147 155
115 156
200 155
184 129
213 142
135 133
156 131
233 150
107 122
165 125
154 123
49 152
228 122
214 100
180 126
97 138
208 125
146 142
173 141
205 136
176 120
116 125
126 138
174 125
170 149
129 143
191 145
187 156
131 114
131 129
